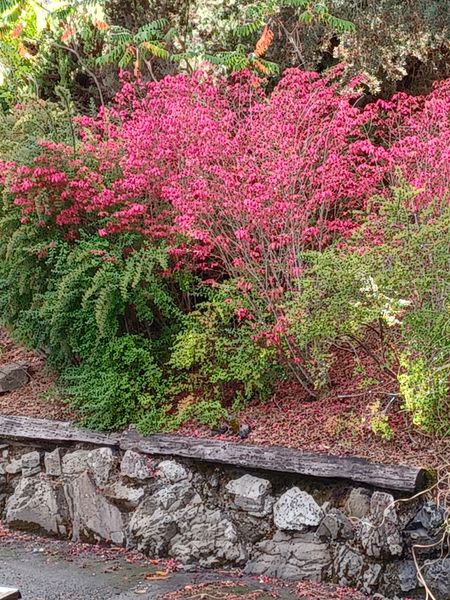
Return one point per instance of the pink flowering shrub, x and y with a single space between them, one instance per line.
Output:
228 176
236 185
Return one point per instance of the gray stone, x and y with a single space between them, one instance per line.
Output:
12 377
14 467
101 462
175 522
430 516
296 510
335 526
348 566
74 463
135 466
251 494
437 576
124 495
425 529
207 537
155 522
358 503
291 557
380 534
400 576
371 577
93 518
31 464
37 505
52 463
171 471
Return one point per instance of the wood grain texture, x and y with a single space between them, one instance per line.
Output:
247 456
280 459
57 432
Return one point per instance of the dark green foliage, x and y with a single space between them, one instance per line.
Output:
119 383
218 354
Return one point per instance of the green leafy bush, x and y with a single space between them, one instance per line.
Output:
118 384
216 351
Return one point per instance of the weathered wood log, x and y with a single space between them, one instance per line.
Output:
280 459
55 432
247 456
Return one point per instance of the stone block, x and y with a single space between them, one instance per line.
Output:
101 462
292 557
135 466
251 494
296 510
172 472
12 377
381 535
31 464
74 463
124 495
358 503
37 505
437 576
52 463
93 517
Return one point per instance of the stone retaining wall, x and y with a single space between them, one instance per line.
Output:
268 524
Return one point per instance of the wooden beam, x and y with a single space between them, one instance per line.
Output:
247 456
26 429
280 459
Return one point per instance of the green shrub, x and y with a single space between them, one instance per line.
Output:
120 383
216 354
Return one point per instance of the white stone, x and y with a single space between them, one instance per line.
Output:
171 471
251 494
31 464
92 515
31 459
14 467
124 494
134 466
296 510
101 463
74 463
37 504
52 462
291 556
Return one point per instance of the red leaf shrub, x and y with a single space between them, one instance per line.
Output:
235 182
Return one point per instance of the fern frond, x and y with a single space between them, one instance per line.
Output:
156 50
341 25
126 58
150 30
103 305
6 5
267 67
120 34
112 56
248 29
61 14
